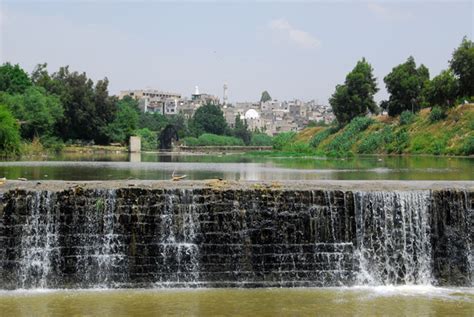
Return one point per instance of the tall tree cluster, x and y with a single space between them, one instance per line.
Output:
409 86
356 96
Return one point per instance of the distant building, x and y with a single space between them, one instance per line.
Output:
150 93
203 98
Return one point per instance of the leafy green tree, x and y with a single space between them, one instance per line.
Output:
88 108
208 118
152 121
13 79
462 65
405 84
9 133
356 96
283 139
265 96
37 111
149 139
180 124
124 123
442 90
241 130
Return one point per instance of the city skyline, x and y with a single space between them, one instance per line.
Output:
293 50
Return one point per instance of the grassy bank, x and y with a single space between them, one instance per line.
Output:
426 132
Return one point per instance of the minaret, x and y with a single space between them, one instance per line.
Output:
225 94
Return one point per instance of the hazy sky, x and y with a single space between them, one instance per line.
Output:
292 49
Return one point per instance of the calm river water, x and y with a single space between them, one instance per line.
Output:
375 301
238 167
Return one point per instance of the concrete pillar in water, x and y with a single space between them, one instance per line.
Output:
135 144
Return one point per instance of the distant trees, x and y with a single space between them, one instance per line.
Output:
38 111
462 64
241 130
405 84
9 133
13 79
208 118
88 108
265 96
442 90
125 121
356 96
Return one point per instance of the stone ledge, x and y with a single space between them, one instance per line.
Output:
365 185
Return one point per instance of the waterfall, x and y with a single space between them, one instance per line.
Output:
393 238
39 242
98 252
180 253
182 237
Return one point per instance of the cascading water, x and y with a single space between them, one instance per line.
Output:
393 238
177 240
135 237
39 241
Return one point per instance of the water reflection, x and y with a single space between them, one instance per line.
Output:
238 167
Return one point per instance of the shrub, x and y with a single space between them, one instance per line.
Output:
436 114
406 117
321 136
9 133
298 148
399 142
208 139
468 147
149 139
35 147
261 139
375 141
282 139
342 143
52 143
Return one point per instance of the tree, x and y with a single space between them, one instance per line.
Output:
125 122
241 130
405 84
152 121
13 79
88 108
356 96
37 111
9 133
462 65
208 118
265 97
442 90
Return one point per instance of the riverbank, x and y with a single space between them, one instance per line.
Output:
409 134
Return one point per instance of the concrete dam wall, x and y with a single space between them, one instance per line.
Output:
221 234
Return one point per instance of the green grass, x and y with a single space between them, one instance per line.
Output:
413 134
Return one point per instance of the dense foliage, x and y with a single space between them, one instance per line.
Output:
356 96
261 139
241 130
9 133
405 84
208 118
462 65
208 139
13 79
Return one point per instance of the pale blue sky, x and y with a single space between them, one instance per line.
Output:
292 49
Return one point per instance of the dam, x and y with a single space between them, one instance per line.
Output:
163 234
